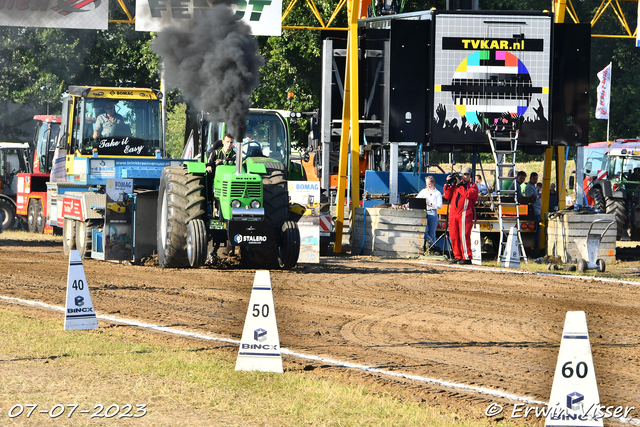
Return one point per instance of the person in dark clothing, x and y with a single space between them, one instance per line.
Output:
553 197
218 155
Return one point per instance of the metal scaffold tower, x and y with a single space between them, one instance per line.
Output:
504 144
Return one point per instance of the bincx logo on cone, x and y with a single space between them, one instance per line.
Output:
574 393
512 253
259 349
79 313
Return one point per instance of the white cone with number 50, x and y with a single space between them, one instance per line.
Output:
260 343
79 312
574 397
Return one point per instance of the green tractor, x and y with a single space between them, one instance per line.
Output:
618 191
242 206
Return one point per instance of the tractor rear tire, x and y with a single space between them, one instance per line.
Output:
181 199
35 221
289 246
618 209
276 209
598 199
275 197
8 214
196 243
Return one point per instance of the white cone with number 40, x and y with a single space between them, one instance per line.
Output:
79 312
260 343
574 397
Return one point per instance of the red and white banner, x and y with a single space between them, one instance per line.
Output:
325 222
604 93
84 14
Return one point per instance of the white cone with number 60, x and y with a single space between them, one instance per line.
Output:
574 397
260 343
79 312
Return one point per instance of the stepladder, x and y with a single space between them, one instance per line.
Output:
504 145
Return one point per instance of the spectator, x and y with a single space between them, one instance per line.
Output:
553 198
433 202
506 184
482 188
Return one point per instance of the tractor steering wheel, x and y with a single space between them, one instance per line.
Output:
253 148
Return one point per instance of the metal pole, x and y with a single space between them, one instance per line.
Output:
163 89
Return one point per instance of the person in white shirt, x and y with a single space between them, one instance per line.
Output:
434 202
482 188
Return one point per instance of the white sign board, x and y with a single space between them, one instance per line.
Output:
263 16
85 14
307 194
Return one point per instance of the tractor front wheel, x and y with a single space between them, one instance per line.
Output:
289 246
619 211
7 214
196 243
598 199
35 218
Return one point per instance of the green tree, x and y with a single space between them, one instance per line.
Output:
38 64
174 139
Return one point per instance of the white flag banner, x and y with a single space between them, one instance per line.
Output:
638 27
263 16
604 93
187 153
84 14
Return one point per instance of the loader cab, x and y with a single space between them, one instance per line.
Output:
112 122
625 165
45 139
13 160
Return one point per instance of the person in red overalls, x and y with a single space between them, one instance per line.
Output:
462 194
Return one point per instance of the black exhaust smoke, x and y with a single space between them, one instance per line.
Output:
213 59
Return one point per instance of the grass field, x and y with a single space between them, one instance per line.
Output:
171 381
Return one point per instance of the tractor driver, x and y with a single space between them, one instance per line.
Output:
217 155
108 122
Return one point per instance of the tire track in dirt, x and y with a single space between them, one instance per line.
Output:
485 328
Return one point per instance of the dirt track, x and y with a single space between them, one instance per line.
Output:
496 330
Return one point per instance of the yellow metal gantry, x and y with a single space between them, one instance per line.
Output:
350 128
560 6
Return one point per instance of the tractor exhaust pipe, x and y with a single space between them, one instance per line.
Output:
238 157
